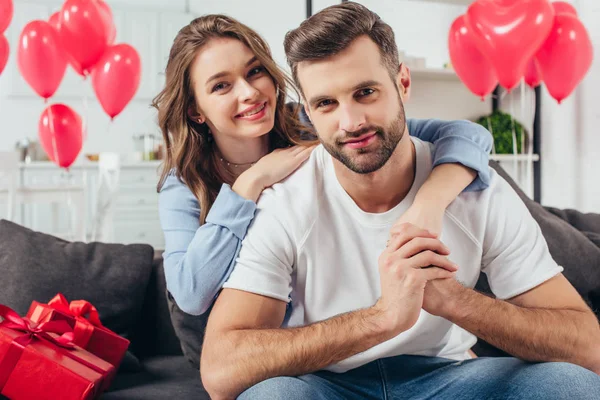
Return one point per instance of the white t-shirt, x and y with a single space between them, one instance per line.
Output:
310 242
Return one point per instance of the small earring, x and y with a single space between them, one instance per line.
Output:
277 91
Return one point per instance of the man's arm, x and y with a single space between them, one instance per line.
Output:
548 323
244 340
538 315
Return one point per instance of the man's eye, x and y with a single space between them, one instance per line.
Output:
365 92
324 103
219 86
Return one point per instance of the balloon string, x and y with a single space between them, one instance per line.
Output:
526 123
70 207
514 138
489 124
531 96
85 115
56 156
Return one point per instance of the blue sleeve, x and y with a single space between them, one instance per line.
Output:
462 142
198 259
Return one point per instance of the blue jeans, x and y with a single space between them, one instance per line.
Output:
417 377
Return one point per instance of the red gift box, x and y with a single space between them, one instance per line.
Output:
37 363
87 329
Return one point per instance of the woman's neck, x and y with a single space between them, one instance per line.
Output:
236 155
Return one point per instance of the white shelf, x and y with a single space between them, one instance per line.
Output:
513 157
433 73
84 164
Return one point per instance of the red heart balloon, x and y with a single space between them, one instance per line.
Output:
562 7
116 78
6 14
470 65
509 33
60 133
4 49
566 56
83 32
40 58
533 75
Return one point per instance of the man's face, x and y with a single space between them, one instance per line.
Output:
354 106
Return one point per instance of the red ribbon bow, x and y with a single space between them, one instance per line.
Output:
31 330
85 314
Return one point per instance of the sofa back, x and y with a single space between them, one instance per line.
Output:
154 334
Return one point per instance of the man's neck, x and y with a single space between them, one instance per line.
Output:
385 188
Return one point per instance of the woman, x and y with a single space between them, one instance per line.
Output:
228 134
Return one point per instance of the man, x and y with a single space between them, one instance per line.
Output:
323 304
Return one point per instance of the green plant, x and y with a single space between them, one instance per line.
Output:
500 124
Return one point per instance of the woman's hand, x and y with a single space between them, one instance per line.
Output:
443 185
424 215
270 169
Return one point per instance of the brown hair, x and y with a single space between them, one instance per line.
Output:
189 150
331 30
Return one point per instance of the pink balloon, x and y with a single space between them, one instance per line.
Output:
107 20
40 58
470 65
509 33
6 14
533 75
566 56
562 7
4 49
60 133
83 32
116 78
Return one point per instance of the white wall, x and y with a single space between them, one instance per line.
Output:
570 143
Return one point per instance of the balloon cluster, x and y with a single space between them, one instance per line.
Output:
81 35
504 41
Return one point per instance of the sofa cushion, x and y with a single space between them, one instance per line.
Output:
190 331
36 266
155 335
166 377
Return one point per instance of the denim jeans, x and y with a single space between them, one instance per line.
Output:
418 377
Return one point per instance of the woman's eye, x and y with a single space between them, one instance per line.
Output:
365 92
219 86
256 70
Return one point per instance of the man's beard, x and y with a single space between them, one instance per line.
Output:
367 160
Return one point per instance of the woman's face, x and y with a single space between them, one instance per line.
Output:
235 94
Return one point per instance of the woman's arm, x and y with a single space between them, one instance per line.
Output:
460 161
460 142
198 259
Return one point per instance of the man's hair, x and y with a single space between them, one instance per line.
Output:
333 29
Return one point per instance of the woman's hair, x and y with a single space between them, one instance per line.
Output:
189 150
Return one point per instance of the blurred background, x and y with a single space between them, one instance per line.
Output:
556 162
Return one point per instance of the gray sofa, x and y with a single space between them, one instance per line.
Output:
127 285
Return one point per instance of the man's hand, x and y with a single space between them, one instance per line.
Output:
441 295
411 259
